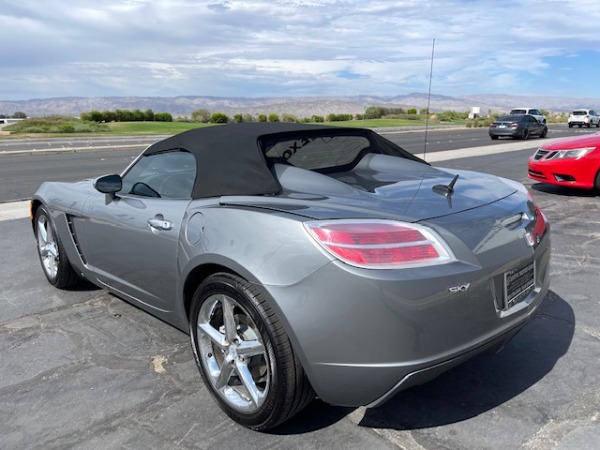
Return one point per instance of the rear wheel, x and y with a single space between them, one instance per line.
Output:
598 124
56 265
597 182
525 134
570 125
244 355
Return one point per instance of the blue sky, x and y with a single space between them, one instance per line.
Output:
257 48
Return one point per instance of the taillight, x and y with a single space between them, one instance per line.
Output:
514 125
380 244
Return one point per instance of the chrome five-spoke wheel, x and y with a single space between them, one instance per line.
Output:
47 248
56 265
244 354
233 354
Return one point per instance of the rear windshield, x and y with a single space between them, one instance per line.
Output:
579 113
314 152
509 119
519 111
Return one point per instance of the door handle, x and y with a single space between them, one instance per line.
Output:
159 223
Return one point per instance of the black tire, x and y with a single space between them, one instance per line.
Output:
494 138
525 134
597 182
544 132
570 125
598 124
588 125
579 125
55 264
244 355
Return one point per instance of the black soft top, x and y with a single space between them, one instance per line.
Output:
230 160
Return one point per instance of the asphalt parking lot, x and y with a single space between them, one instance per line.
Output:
82 369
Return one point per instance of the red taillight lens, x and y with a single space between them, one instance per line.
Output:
380 244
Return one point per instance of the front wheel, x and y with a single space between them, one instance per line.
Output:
597 182
494 138
544 132
56 265
244 355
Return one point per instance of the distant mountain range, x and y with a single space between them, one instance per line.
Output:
298 106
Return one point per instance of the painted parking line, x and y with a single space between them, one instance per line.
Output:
14 210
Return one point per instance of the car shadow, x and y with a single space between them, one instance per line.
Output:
83 285
565 191
468 390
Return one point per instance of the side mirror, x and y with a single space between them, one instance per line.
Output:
109 184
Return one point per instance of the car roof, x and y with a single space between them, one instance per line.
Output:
513 117
230 161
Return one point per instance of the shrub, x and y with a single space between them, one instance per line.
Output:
374 112
66 128
219 117
273 117
338 117
201 115
289 118
411 111
317 119
163 117
262 118
238 118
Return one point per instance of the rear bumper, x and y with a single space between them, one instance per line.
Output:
363 336
505 132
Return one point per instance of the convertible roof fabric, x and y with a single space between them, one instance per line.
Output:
230 161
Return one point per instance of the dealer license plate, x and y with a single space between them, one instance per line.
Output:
518 283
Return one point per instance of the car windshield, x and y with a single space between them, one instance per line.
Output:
519 111
579 113
313 152
509 119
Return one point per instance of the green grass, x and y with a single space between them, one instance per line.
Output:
60 126
55 125
153 127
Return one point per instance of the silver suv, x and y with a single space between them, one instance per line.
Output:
531 111
584 117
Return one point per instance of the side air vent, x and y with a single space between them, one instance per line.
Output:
74 237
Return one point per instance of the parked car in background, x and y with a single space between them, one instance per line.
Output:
521 126
573 162
304 260
584 118
531 111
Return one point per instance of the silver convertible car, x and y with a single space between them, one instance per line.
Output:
304 260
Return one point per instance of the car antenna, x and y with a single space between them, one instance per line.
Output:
428 100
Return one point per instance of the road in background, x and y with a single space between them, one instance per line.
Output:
26 163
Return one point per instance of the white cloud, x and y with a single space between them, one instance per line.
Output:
296 47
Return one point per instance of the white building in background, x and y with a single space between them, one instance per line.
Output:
475 112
